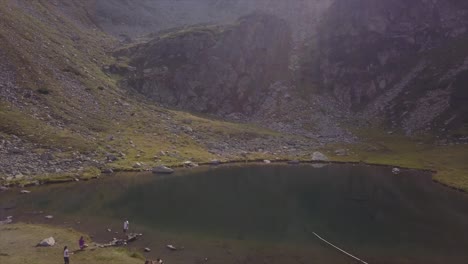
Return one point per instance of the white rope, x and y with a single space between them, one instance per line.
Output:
356 258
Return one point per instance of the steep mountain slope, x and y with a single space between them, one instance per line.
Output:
402 61
62 115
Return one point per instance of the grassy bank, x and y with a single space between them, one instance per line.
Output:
448 161
17 245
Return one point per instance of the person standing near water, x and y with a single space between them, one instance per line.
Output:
66 255
126 225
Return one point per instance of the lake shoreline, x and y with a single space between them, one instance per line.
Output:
223 163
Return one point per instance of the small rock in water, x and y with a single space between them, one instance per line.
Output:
319 165
162 170
49 217
109 230
215 162
171 247
396 171
47 242
147 250
266 161
294 162
25 191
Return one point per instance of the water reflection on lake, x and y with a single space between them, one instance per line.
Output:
367 210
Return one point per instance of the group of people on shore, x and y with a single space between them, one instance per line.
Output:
83 245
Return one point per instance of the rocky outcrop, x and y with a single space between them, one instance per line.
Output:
214 69
403 61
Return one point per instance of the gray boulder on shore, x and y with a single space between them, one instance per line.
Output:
47 242
318 156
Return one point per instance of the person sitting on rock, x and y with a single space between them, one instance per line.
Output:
82 244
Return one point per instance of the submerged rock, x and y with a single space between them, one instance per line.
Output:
171 247
319 165
294 162
47 242
162 170
215 162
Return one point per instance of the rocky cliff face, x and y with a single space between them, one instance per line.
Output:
405 61
214 69
403 64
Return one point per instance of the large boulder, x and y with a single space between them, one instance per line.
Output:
47 242
162 170
318 156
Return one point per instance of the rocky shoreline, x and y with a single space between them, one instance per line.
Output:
264 162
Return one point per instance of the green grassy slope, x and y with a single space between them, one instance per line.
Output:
62 99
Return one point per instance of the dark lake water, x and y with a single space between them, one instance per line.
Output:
266 214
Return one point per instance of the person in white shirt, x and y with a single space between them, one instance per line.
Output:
66 255
126 226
